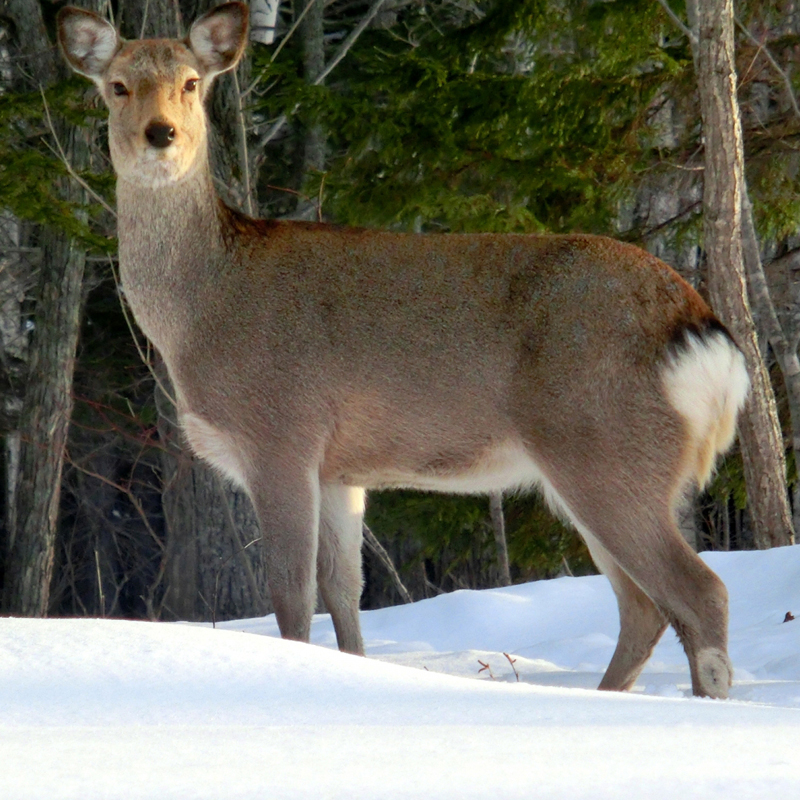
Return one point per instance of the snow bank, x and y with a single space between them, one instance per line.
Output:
114 709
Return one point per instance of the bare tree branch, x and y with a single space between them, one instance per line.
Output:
343 50
762 47
59 151
129 322
679 22
378 549
244 156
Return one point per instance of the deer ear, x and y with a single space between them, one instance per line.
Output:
218 38
88 42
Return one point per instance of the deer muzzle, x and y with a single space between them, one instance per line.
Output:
159 134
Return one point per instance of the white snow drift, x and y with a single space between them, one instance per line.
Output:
113 709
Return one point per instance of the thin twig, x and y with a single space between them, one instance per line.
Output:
777 67
245 158
281 45
512 661
144 18
216 580
319 197
129 322
59 151
99 582
275 129
124 490
428 582
295 25
486 668
679 22
236 538
343 50
379 550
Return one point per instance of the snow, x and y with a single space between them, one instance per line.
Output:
116 709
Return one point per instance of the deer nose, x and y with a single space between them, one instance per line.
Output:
159 134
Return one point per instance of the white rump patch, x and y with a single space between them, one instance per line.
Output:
216 447
707 384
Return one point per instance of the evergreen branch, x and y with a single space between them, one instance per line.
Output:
343 50
762 47
679 22
59 151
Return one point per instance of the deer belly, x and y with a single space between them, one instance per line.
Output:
502 467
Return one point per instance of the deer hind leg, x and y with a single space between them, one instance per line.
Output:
627 508
641 623
339 561
647 545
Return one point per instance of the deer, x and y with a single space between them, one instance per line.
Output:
312 362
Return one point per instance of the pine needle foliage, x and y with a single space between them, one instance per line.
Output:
513 116
32 174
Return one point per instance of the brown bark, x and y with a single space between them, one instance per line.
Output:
785 352
44 426
153 19
47 405
723 196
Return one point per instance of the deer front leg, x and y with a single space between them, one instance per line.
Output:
287 502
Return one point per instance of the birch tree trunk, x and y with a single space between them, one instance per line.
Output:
499 530
723 197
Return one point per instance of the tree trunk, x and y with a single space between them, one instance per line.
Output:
499 529
45 422
785 352
151 20
723 195
314 144
16 269
47 405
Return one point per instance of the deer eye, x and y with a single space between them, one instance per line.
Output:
119 89
190 85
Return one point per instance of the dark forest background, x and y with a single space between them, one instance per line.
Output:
454 115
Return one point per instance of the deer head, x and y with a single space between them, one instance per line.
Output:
157 123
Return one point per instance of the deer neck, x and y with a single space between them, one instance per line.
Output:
170 248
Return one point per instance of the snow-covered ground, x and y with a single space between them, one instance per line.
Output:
113 709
